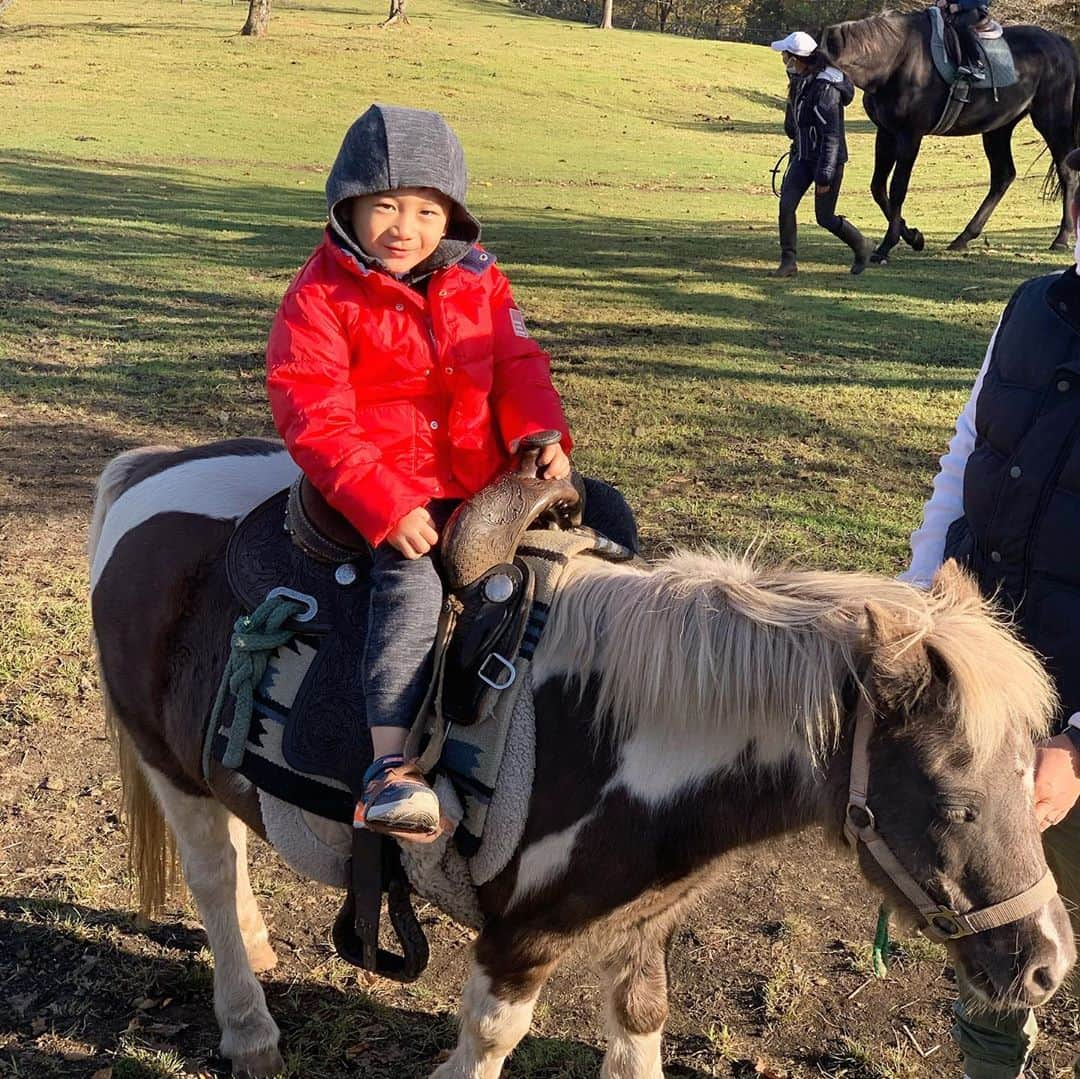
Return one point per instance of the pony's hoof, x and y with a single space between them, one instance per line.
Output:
261 1065
878 258
959 244
1061 245
917 241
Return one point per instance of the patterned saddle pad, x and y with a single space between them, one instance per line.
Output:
1001 70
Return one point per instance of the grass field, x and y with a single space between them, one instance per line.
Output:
160 182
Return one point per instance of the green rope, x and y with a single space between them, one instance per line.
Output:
880 953
255 638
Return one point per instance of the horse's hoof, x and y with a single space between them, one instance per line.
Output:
1061 245
879 259
917 241
261 1065
959 244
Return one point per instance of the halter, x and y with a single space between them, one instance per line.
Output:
942 923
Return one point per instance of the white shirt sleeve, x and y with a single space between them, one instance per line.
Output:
947 502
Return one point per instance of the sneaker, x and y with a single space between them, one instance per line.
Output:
398 801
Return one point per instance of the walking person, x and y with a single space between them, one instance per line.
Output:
814 122
1005 506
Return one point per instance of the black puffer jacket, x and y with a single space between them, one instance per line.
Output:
815 121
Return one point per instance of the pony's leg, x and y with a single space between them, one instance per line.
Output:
1054 122
207 837
907 150
261 955
497 1004
998 147
636 992
884 162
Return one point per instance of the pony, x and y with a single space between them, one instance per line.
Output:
888 57
683 709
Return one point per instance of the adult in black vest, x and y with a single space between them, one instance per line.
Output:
814 121
1006 504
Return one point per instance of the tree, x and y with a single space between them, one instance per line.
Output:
397 13
258 20
606 14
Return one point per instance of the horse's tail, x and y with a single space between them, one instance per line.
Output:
151 847
1051 187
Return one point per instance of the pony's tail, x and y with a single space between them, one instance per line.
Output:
151 847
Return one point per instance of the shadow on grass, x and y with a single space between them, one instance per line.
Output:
70 970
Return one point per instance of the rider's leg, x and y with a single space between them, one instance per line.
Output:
406 597
829 219
971 57
798 179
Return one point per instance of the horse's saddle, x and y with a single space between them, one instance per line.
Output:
944 48
299 731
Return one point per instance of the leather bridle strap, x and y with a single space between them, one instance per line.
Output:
941 923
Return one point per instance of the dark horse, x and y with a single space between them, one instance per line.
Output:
888 58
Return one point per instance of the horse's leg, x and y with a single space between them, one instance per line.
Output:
1054 123
884 162
907 150
261 955
998 147
635 984
497 1004
208 837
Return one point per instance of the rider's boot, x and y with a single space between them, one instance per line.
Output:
398 801
857 242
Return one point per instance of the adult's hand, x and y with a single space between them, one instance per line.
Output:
1057 780
414 535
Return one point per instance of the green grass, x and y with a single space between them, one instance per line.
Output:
162 181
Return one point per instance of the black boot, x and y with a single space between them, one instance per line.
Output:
788 266
857 242
789 235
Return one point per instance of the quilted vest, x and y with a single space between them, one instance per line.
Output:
1020 532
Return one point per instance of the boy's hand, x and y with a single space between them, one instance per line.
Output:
414 535
553 464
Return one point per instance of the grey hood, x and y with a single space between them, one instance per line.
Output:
390 147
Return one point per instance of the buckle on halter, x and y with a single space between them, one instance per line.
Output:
860 817
946 923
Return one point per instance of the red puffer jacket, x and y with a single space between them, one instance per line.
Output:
388 399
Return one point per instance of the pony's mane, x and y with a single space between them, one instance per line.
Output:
705 642
866 37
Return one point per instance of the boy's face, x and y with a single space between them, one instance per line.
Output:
401 227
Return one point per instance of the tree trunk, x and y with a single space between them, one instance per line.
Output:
605 15
397 13
258 20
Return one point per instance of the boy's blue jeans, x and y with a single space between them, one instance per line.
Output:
996 1045
405 601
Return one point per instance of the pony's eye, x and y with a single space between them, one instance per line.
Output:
957 812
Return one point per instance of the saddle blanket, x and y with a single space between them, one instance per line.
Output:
319 847
1001 71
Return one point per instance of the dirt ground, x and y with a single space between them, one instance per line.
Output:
770 977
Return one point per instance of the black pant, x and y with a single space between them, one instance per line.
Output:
964 22
799 178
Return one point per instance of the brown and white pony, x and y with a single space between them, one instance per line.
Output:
682 711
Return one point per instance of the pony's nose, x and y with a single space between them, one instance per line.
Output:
1039 982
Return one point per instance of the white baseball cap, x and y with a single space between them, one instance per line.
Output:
798 43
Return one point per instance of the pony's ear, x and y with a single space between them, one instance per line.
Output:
954 584
902 669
